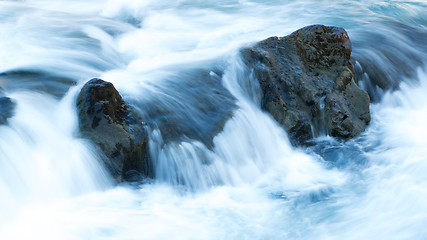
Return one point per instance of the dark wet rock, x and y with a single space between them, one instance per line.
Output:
308 83
24 79
7 107
110 123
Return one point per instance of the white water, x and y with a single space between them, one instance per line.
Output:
252 184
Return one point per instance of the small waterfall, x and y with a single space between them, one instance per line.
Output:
41 160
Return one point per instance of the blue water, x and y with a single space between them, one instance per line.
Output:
180 58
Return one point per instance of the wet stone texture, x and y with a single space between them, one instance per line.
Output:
308 83
109 122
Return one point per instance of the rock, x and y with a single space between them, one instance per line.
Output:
308 83
109 122
7 107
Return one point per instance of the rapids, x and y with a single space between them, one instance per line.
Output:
249 182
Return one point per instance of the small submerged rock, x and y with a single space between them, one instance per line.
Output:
383 59
120 134
36 80
308 83
190 105
7 107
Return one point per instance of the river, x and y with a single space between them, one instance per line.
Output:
249 182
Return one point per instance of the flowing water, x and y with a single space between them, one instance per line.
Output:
177 62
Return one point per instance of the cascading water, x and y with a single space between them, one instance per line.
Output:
176 62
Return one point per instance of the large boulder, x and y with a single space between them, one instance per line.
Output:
109 122
308 83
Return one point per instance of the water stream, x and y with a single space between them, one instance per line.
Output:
180 58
